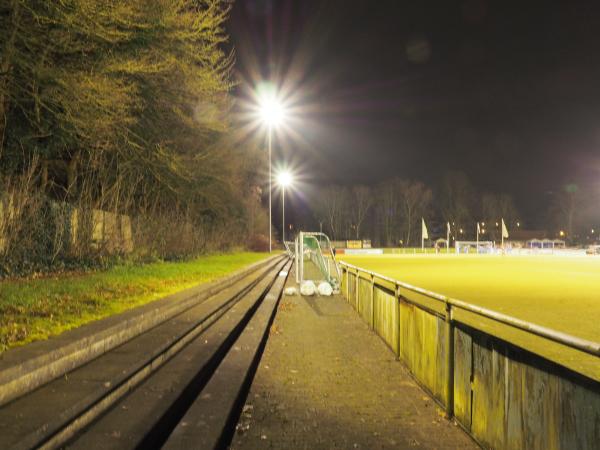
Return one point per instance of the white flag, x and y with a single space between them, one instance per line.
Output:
448 227
478 229
424 234
504 230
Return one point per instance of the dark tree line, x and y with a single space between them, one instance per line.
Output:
574 212
390 212
123 106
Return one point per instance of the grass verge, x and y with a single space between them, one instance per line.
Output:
36 309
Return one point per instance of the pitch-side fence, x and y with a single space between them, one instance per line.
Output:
506 397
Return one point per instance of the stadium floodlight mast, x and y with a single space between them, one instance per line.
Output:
284 179
272 114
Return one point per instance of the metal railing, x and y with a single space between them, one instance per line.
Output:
289 248
449 306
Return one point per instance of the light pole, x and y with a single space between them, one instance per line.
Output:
272 114
284 179
270 138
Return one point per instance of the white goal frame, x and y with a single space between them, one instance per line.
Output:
475 244
322 252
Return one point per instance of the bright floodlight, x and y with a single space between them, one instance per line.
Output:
271 111
284 178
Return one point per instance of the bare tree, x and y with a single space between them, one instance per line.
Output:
388 209
457 199
507 209
490 213
362 199
331 207
495 207
415 203
566 209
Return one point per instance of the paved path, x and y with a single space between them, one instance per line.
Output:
327 382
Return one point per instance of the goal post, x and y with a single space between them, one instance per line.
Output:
477 247
315 260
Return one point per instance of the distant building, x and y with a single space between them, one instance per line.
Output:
546 243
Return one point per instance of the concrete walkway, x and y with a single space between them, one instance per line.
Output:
326 381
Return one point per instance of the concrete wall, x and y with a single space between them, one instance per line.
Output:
504 396
105 231
110 232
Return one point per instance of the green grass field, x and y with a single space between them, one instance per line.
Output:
35 309
559 292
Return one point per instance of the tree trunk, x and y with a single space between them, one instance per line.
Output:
44 175
5 70
408 229
72 175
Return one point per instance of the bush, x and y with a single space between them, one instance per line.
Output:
259 243
40 234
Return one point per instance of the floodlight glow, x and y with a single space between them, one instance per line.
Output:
271 111
284 178
562 233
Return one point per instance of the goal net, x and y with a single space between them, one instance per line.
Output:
315 260
474 247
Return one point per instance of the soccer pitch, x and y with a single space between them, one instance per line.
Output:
558 292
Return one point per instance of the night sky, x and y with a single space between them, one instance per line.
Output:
508 92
